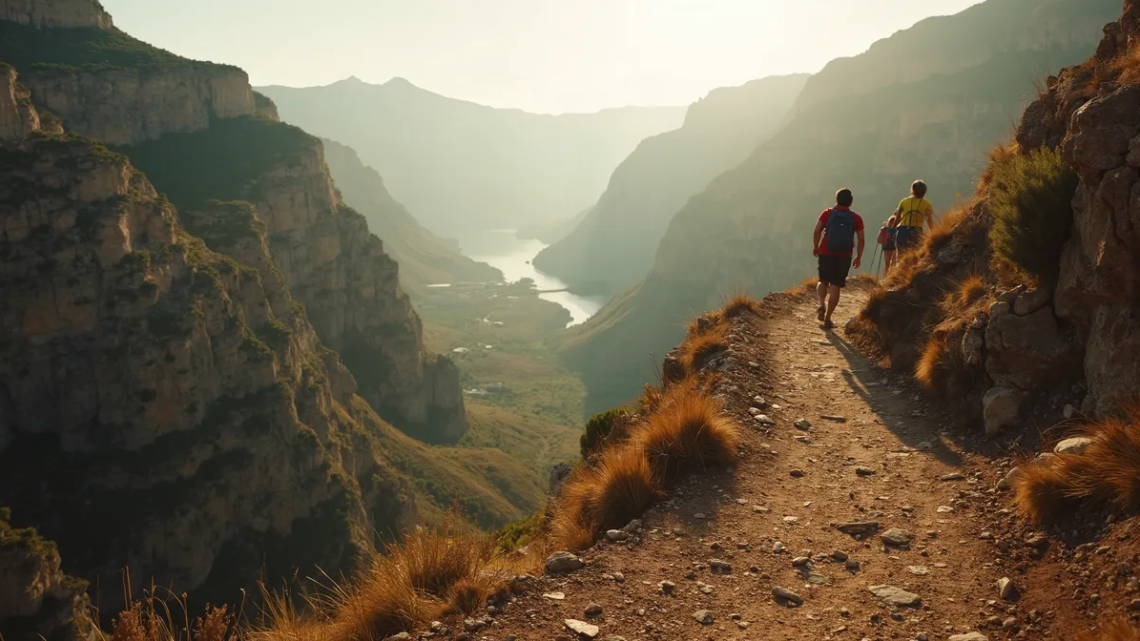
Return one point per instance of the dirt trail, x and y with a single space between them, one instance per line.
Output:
885 456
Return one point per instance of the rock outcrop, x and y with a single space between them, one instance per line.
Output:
1092 112
106 85
67 14
17 115
37 600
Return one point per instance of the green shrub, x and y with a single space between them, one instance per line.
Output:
1033 212
598 429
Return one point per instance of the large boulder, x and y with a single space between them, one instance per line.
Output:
1030 351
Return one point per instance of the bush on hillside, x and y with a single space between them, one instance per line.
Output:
1031 201
1106 474
599 429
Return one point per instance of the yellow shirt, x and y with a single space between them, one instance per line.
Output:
915 212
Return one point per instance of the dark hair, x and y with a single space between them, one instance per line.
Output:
844 198
918 189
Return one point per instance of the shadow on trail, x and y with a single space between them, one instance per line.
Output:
914 432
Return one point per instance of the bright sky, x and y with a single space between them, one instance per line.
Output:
539 55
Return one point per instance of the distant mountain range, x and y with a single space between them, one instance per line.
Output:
928 102
463 167
613 247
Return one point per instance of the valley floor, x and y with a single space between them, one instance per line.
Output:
877 450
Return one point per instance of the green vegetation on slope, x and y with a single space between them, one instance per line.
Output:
538 444
537 383
1032 205
217 163
30 49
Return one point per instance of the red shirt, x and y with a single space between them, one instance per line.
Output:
823 241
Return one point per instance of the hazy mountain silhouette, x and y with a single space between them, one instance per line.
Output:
460 166
423 257
614 245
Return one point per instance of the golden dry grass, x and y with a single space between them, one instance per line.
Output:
699 347
930 370
1117 630
684 432
607 496
736 305
1107 473
688 433
428 573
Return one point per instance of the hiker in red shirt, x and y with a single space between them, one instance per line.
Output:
833 243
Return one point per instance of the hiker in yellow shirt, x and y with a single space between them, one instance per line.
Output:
913 213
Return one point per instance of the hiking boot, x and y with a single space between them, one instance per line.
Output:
820 313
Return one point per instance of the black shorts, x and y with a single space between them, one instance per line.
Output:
909 237
834 269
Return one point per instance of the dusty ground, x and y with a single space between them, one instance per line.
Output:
791 487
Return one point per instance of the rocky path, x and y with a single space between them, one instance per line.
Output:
850 446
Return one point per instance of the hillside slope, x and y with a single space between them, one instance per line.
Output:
751 229
613 246
462 167
424 259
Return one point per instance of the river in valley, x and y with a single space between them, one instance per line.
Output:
511 255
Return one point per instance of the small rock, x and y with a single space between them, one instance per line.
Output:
614 536
1001 407
1006 481
619 577
760 509
944 509
704 617
1076 445
402 636
1005 587
563 562
892 595
896 537
632 526
667 587
593 610
472 625
918 570
787 595
796 474
803 425
969 636
864 471
954 476
852 565
699 515
839 555
716 566
858 527
582 628
778 548
800 561
1069 412
554 596
834 417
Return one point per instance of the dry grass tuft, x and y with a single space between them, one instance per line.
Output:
969 291
1117 630
930 370
153 619
1107 473
736 305
688 433
607 496
943 231
697 349
468 597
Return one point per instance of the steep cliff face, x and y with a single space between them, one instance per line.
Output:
37 601
17 115
106 85
162 403
751 229
56 13
334 266
613 247
424 259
